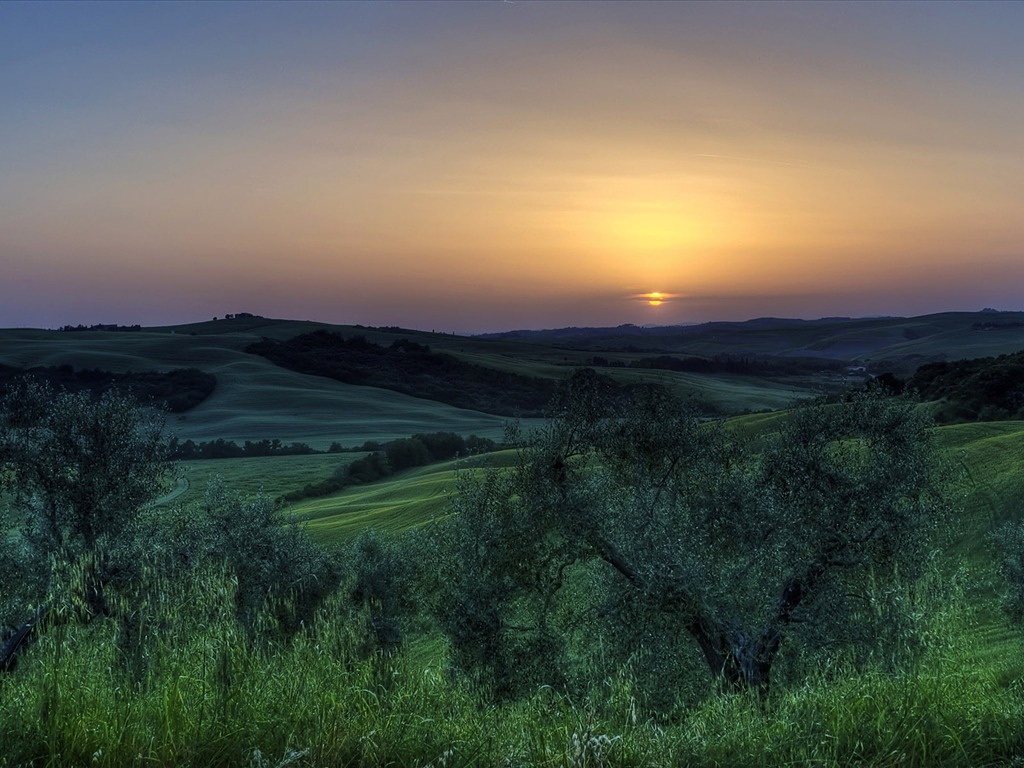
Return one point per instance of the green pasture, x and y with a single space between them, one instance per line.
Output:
406 500
987 455
256 400
270 475
403 501
728 393
991 454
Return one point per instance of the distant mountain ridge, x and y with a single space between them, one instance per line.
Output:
891 343
668 330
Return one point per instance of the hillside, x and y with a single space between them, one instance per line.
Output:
987 453
255 399
885 343
969 673
410 368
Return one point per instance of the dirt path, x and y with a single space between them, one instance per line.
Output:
180 487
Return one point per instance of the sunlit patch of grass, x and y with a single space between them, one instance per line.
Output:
399 503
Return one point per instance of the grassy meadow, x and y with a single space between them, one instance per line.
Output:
183 684
209 695
270 475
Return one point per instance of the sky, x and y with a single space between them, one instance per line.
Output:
483 166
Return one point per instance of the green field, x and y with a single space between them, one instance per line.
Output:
407 500
255 399
270 475
988 454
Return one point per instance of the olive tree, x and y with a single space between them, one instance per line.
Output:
638 512
277 569
75 474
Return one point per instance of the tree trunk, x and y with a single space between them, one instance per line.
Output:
737 660
20 638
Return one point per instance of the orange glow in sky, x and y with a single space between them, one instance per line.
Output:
486 166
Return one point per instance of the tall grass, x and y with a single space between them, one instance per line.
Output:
176 681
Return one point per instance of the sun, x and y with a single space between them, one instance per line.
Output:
654 298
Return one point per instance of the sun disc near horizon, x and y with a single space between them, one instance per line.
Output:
655 298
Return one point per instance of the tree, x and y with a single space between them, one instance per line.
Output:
638 513
275 565
77 471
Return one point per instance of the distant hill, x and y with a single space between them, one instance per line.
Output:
254 399
412 369
723 367
896 344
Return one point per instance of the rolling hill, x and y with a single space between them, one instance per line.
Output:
255 399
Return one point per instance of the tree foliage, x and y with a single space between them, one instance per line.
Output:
75 475
638 523
272 558
177 390
980 389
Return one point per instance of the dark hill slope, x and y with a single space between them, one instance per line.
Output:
412 369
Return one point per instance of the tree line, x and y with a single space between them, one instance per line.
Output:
979 389
190 450
178 390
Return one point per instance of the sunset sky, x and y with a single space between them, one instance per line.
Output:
486 166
